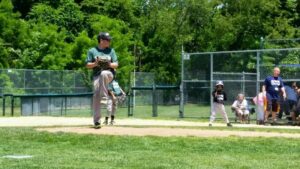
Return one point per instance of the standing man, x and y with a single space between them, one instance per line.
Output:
271 88
103 60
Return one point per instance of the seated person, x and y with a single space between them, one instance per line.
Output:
240 106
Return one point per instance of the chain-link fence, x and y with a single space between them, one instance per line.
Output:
45 92
287 61
241 71
149 99
142 79
21 81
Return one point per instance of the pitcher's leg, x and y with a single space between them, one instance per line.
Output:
96 99
106 77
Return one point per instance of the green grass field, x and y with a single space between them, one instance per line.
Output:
63 150
193 112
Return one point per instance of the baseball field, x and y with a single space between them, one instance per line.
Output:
63 142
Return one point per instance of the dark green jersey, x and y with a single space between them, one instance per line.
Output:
107 54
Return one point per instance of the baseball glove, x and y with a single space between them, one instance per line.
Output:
104 64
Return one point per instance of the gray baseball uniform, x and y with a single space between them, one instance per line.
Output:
101 77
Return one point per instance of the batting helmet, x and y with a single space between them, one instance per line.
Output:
220 83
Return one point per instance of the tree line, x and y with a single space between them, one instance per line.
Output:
147 34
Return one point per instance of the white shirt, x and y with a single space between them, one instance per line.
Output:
240 105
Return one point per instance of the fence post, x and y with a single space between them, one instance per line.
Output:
12 105
243 82
211 80
181 105
129 113
61 106
154 101
66 105
257 76
3 105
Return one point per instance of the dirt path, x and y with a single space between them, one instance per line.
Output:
44 121
165 132
138 127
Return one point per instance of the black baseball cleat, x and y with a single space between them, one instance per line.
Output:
209 125
97 125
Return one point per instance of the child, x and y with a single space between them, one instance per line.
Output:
240 106
219 96
116 94
261 101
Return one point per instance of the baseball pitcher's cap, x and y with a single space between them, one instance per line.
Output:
219 83
104 36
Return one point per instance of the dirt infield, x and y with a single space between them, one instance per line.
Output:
165 132
139 127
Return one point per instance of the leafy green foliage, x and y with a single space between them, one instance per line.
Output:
147 35
66 16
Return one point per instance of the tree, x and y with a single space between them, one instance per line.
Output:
78 51
66 16
10 29
56 34
23 6
124 10
43 48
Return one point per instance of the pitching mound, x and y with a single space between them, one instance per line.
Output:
164 132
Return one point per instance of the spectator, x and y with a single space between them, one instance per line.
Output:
288 105
272 86
240 107
261 101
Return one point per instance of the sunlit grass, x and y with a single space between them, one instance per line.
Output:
62 150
